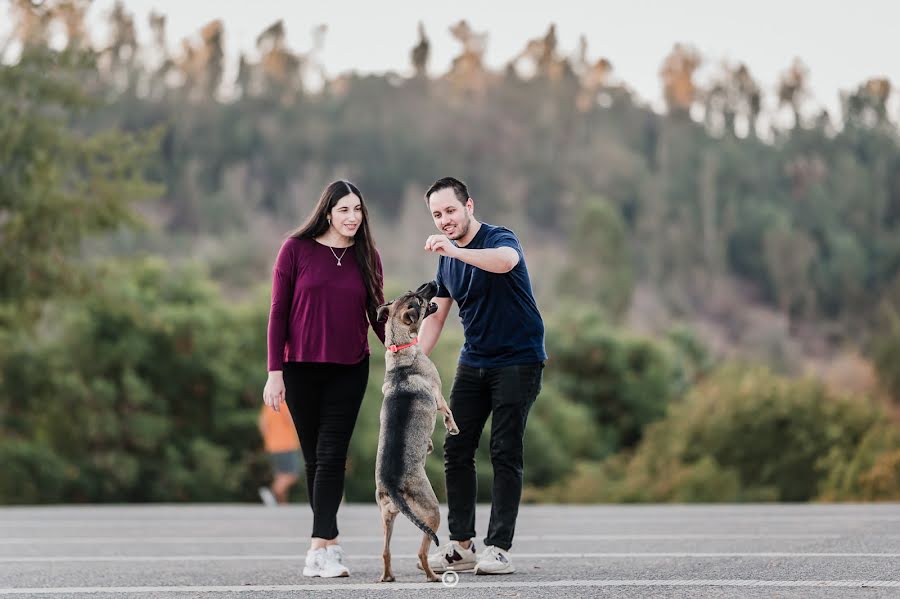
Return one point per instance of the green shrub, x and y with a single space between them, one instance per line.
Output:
748 435
625 381
143 387
887 353
31 473
864 472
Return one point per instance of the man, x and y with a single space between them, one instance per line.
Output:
283 446
482 267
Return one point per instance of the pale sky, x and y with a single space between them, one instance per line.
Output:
841 42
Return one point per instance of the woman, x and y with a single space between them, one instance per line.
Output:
327 283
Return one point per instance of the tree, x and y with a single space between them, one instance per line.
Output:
153 397
420 53
600 270
677 73
59 184
625 381
867 106
733 95
793 89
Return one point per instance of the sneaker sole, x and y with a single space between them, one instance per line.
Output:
442 570
341 575
485 573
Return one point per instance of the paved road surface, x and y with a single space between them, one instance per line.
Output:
253 552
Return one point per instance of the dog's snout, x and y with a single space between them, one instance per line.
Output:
428 290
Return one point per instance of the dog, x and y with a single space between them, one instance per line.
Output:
412 397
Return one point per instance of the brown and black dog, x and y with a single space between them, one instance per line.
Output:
412 397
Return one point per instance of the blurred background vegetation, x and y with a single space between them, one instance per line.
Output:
721 293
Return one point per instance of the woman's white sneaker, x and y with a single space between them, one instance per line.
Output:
315 561
451 556
494 560
327 563
337 562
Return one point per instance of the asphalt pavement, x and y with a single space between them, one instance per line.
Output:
253 552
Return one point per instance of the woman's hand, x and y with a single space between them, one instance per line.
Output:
273 394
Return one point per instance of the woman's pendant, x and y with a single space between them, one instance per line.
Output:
336 257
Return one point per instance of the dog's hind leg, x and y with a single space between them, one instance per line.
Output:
388 513
425 504
433 523
387 519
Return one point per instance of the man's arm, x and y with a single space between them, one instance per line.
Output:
496 260
434 324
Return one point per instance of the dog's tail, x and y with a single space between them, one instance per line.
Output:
404 508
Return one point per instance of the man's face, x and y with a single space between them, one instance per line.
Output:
451 217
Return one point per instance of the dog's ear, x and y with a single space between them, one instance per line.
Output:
410 315
382 312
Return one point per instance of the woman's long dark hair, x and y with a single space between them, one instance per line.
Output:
364 244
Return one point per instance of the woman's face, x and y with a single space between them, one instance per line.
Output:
347 216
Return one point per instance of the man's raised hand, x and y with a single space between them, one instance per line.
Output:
440 244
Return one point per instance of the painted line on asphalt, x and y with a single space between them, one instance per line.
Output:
380 539
391 587
268 517
300 557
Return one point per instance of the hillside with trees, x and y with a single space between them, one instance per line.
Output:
720 273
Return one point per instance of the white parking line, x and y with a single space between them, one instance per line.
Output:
263 518
141 540
299 557
432 586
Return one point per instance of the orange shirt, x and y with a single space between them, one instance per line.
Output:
278 430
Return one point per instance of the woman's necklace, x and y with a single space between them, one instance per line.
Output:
336 257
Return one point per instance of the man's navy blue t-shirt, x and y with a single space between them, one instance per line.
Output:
500 318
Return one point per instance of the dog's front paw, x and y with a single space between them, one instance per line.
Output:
387 578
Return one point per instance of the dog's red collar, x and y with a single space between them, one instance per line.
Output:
396 348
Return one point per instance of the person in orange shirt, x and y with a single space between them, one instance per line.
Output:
283 446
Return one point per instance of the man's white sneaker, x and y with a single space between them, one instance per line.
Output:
494 560
451 556
321 562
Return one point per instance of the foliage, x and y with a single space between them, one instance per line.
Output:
59 185
143 391
625 381
747 435
124 378
600 271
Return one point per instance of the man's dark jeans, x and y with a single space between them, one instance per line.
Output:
508 392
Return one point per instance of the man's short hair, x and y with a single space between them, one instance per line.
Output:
459 189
